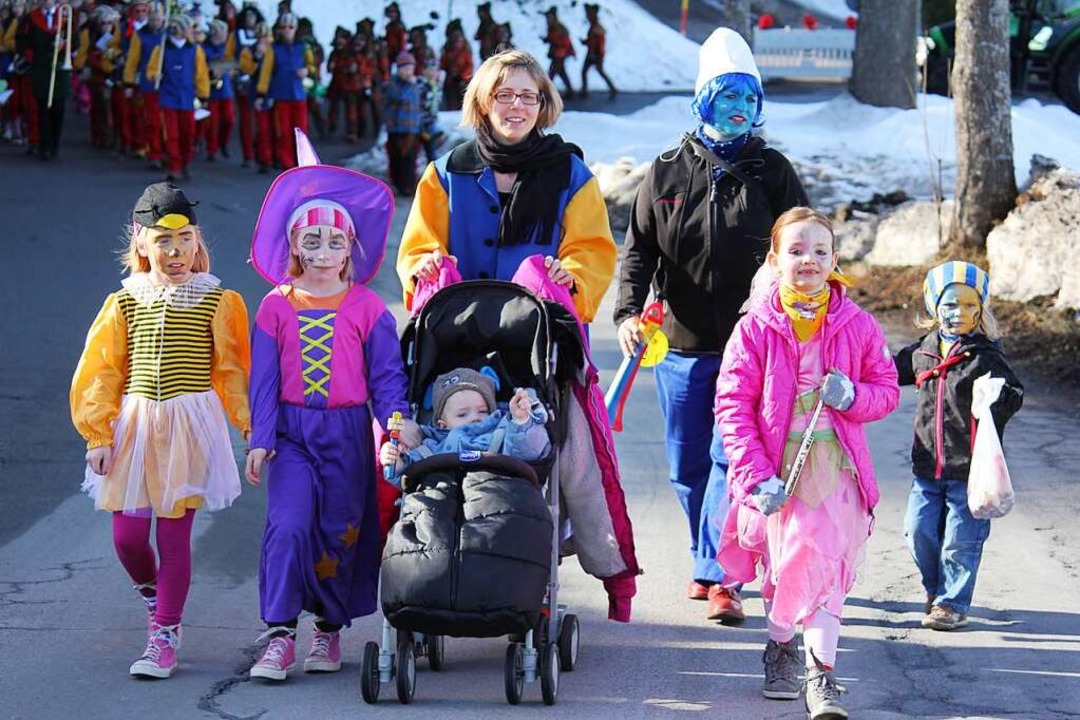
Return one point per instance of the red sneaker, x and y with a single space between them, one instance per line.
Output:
725 605
697 591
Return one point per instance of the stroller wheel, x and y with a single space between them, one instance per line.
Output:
569 638
514 672
369 674
549 673
436 651
406 668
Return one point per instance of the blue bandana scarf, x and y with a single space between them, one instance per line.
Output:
726 149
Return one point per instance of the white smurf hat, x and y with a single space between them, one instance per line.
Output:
724 52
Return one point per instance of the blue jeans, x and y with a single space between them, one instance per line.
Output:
686 386
945 540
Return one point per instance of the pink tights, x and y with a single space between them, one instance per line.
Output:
821 634
131 538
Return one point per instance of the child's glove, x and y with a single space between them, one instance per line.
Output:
837 391
769 496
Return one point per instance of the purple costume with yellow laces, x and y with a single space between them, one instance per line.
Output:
316 364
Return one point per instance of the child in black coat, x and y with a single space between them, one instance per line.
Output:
945 539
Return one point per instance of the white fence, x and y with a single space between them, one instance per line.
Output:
800 53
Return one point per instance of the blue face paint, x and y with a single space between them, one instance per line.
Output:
733 113
730 105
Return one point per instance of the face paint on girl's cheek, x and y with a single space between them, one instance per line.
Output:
959 310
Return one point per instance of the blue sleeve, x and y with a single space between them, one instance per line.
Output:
528 441
386 379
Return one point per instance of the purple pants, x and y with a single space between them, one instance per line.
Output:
321 547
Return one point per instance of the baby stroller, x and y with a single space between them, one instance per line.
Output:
476 550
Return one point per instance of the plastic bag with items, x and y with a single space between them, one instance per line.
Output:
990 490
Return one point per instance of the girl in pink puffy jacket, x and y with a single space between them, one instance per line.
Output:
801 340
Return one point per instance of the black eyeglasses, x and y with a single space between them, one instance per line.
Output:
507 97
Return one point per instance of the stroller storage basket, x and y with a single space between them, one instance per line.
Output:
471 554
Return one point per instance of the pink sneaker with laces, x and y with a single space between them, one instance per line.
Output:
278 658
159 658
325 655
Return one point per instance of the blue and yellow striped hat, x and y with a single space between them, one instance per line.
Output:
955 271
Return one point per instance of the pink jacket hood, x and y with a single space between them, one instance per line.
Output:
756 390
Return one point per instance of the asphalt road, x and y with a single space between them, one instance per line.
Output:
70 624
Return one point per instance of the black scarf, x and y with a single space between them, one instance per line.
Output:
543 168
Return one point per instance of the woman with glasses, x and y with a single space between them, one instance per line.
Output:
516 198
511 192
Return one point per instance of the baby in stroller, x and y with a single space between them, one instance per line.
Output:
467 419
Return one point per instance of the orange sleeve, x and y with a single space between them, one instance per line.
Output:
231 363
98 384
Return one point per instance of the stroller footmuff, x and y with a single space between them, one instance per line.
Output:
471 554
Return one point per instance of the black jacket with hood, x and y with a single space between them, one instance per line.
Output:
944 427
698 242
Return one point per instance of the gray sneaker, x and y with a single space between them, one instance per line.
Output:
781 670
823 695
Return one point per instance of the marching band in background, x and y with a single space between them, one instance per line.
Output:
165 81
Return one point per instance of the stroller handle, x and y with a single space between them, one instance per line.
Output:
467 461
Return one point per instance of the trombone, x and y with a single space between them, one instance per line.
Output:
64 14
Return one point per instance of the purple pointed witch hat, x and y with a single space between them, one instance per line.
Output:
368 202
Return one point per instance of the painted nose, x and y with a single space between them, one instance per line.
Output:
174 252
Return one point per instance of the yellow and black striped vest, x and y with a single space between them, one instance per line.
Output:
169 348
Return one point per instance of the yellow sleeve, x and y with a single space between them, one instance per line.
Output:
231 364
202 74
131 65
587 250
153 67
309 63
99 378
246 62
9 38
426 230
84 48
230 48
266 71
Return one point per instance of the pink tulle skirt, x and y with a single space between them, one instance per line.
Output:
808 552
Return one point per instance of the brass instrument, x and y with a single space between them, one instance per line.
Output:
65 28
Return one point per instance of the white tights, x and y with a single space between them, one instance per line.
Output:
821 635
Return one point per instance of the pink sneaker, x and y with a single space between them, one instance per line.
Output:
278 658
159 658
325 655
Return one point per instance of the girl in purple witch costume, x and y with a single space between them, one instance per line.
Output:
324 345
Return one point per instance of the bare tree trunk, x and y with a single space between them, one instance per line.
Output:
985 176
735 14
884 65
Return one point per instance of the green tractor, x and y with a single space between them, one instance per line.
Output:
1044 48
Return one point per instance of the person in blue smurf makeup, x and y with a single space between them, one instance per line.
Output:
466 418
698 232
